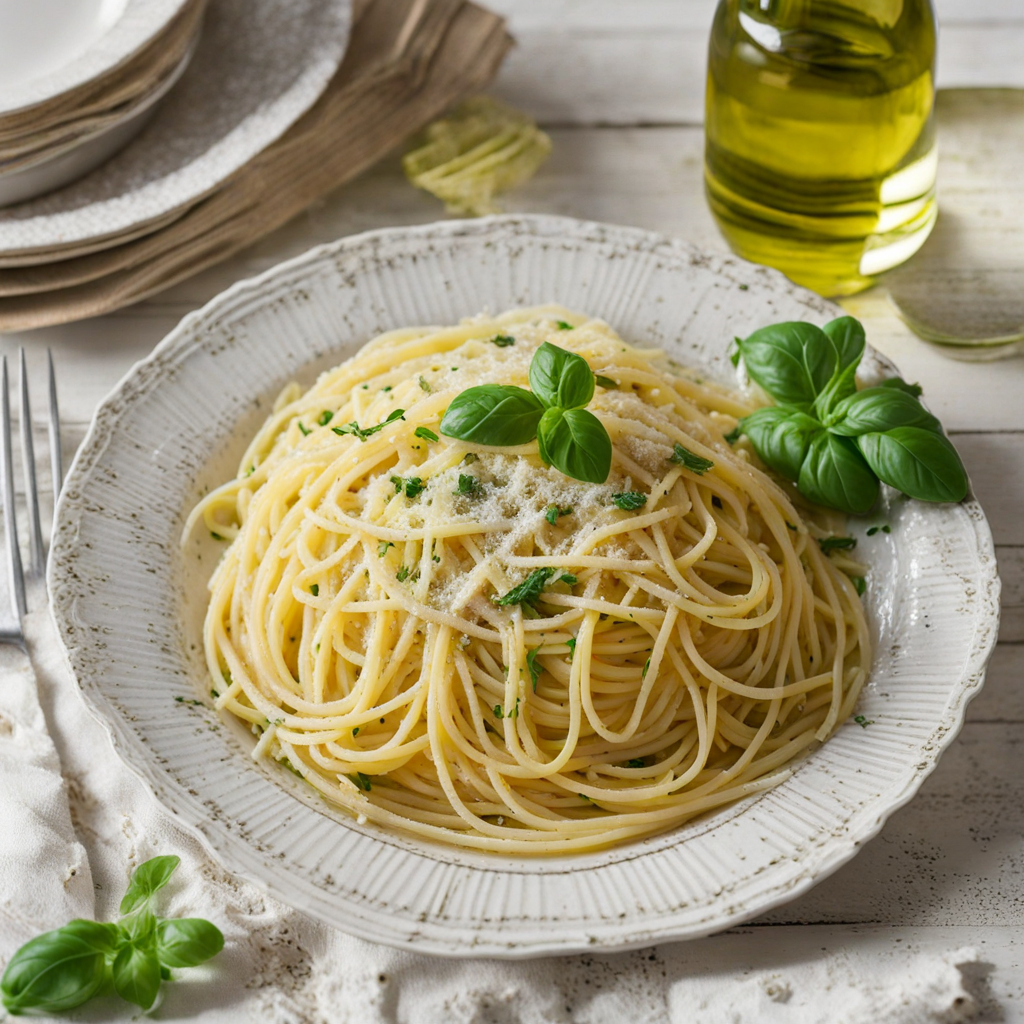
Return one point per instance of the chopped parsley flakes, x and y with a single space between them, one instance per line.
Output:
533 668
364 432
553 513
630 501
828 544
694 463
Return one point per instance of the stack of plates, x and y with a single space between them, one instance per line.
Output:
79 79
257 67
266 119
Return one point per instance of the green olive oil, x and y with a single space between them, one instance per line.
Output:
820 151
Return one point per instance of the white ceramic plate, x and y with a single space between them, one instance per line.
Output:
259 66
49 47
129 603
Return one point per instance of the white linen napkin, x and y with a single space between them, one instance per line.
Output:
281 967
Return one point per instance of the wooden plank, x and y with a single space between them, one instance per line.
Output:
581 62
612 15
995 463
1002 697
1011 573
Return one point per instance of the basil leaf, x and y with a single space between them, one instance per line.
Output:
781 438
835 474
576 442
880 409
792 362
921 463
847 335
58 970
495 414
187 941
914 390
147 879
136 971
561 378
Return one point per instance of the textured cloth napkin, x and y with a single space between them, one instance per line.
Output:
68 844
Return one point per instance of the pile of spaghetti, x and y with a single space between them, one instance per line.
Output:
463 643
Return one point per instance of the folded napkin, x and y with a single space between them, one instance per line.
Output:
408 61
44 873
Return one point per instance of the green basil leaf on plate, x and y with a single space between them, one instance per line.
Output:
914 390
835 474
921 463
136 972
561 378
576 442
792 362
493 414
58 970
147 879
187 941
781 437
847 335
880 409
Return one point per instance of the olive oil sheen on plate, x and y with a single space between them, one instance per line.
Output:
820 152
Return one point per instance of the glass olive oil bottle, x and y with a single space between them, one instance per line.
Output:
820 152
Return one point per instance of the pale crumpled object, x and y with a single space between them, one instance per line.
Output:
479 150
281 967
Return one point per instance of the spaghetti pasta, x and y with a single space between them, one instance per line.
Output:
465 644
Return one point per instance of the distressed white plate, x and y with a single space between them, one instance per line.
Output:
129 602
259 66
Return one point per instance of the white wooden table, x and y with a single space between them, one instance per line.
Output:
619 84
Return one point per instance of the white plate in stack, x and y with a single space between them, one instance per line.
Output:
79 79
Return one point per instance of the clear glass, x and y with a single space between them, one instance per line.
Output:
820 150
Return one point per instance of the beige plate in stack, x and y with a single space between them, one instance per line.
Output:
79 79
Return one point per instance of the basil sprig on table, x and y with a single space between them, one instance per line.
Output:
835 442
62 969
569 437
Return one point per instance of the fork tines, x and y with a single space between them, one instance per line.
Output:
13 551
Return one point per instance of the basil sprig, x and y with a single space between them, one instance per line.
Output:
62 969
569 437
835 442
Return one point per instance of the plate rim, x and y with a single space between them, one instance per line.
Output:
432 937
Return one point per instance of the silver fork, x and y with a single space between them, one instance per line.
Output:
11 612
